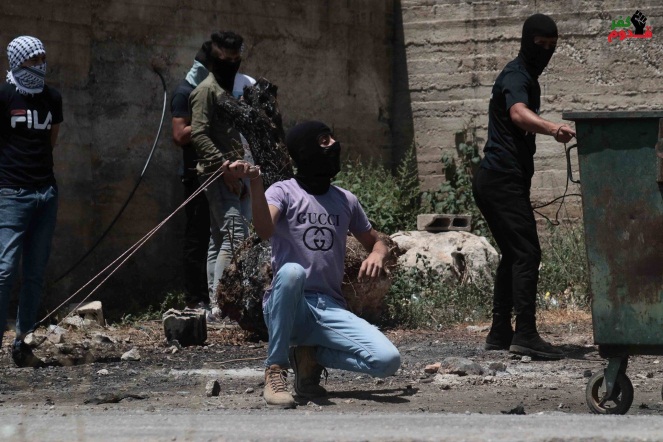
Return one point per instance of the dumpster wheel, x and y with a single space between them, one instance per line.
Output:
622 395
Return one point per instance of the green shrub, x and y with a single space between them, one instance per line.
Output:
422 298
391 201
563 276
454 196
154 311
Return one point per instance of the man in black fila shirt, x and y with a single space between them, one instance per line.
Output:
501 189
30 115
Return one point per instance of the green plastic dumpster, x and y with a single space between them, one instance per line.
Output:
620 157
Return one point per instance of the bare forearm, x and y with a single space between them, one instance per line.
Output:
373 264
55 130
380 248
183 138
181 131
531 122
528 121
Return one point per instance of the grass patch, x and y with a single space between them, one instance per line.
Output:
563 275
154 311
422 298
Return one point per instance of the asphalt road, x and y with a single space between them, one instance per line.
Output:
20 424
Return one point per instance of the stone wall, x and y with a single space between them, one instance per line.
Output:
456 48
330 59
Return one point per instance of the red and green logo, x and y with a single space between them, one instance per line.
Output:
621 28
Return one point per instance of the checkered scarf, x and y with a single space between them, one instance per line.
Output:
28 80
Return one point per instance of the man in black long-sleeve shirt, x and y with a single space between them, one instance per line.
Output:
501 189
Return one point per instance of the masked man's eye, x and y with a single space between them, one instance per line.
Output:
325 140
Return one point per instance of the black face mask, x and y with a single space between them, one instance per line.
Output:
316 165
224 71
535 57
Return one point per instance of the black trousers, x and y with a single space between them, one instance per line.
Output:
196 243
504 201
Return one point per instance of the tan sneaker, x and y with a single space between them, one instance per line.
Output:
276 392
307 372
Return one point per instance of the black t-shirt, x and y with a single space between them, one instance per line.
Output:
508 148
179 108
26 153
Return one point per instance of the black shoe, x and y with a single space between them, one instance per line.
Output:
500 334
498 340
533 345
23 356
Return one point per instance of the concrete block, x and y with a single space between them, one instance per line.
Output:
212 388
91 311
188 327
131 355
433 222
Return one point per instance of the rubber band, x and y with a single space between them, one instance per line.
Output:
258 176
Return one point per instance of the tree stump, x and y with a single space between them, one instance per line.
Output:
249 275
258 118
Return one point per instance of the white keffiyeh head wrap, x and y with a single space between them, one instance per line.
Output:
28 80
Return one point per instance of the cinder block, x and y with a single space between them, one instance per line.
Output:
434 222
91 311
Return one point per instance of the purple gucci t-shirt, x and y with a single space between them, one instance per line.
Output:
312 231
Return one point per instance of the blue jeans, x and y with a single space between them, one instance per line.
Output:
229 225
342 339
27 222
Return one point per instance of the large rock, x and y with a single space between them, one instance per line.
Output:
366 298
453 254
460 366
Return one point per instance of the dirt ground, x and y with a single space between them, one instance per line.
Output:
167 378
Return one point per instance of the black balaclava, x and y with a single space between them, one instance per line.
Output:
202 56
536 58
316 165
224 71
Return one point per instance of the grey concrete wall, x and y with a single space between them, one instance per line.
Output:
330 58
456 48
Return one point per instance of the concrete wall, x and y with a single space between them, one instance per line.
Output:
330 58
456 48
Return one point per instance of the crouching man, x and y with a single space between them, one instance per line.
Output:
307 221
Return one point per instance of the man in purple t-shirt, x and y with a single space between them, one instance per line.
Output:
307 221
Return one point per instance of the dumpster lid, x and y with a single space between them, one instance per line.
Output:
605 115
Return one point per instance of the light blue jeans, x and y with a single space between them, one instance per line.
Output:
343 340
230 216
27 222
